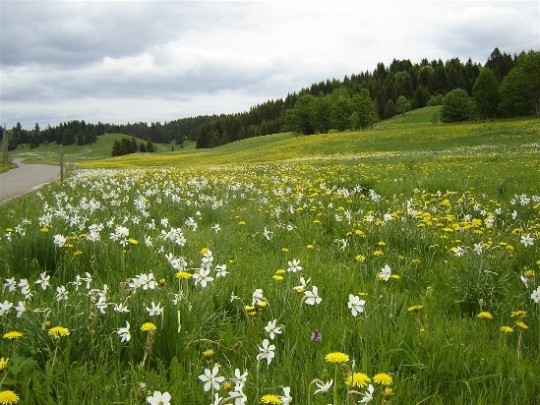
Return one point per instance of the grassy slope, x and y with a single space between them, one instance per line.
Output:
410 134
50 153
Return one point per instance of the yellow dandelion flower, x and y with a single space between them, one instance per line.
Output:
395 276
277 277
285 250
44 229
242 223
518 314
336 357
521 325
58 331
8 397
378 252
360 258
484 315
226 385
530 273
383 379
507 329
262 304
250 310
148 327
204 250
208 354
415 308
162 281
271 399
3 364
133 241
357 380
13 335
388 392
280 271
78 253
183 275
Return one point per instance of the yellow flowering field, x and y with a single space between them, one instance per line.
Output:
386 276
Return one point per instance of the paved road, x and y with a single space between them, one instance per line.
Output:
25 178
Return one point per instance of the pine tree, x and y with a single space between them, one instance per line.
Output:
485 94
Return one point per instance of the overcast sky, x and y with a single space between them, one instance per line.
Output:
132 61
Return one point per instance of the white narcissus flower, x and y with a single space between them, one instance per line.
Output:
203 277
535 296
385 273
266 351
257 297
43 280
159 398
312 297
302 286
527 240
20 308
5 307
286 398
211 379
294 266
322 386
272 329
59 240
221 270
154 310
356 305
368 395
124 334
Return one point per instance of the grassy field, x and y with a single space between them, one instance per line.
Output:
410 141
102 149
393 266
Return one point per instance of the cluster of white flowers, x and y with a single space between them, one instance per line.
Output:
144 281
120 235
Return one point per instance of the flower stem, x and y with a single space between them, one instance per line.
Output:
335 401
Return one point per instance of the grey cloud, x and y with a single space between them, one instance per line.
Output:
76 33
476 31
160 58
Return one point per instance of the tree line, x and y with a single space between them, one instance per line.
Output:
82 133
506 85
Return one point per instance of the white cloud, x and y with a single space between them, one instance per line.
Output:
155 61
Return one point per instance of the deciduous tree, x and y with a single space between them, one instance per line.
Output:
457 106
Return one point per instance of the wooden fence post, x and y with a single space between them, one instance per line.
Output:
5 145
61 164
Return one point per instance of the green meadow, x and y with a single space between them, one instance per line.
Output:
397 265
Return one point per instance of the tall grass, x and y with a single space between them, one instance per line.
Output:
458 228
